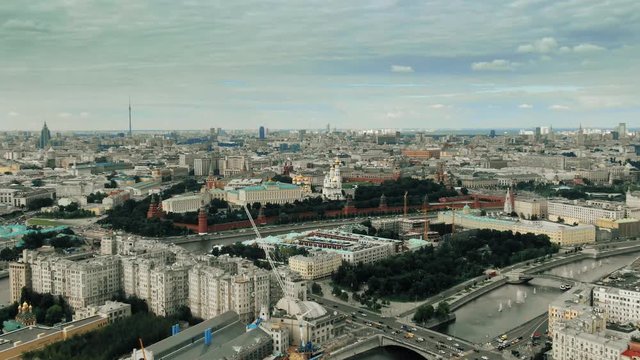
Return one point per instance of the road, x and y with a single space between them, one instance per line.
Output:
446 346
523 333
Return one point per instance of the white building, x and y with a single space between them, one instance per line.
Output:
112 310
201 166
332 186
620 305
587 212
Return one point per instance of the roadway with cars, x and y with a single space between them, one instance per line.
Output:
438 343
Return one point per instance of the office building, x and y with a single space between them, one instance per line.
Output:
262 133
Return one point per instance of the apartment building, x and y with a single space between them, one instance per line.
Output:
620 305
587 337
316 266
212 291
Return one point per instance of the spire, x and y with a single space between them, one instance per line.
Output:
129 116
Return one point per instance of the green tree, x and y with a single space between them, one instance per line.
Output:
54 315
443 309
344 296
424 313
316 289
37 182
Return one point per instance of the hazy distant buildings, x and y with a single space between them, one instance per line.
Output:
261 133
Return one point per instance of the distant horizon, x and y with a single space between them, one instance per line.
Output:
427 131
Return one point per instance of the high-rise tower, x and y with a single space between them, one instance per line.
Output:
45 137
129 117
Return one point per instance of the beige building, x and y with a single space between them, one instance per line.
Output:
319 265
19 277
213 291
531 208
561 234
86 282
587 337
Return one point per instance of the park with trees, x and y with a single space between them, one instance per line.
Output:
418 275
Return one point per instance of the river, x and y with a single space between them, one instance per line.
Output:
480 320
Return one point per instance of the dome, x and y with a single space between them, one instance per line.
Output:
310 309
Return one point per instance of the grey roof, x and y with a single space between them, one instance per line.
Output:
229 336
24 335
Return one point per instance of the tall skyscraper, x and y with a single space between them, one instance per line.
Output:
622 130
45 137
129 117
301 134
261 133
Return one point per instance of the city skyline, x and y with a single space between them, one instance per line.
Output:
384 64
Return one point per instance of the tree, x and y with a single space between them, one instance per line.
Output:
344 296
443 309
53 315
316 289
37 182
336 291
9 254
560 220
464 191
424 313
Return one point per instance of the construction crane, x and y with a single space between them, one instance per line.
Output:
304 343
265 248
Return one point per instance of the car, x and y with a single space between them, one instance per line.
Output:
442 352
414 329
483 357
420 339
335 306
450 338
363 314
456 345
394 332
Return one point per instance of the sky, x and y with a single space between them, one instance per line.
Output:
306 63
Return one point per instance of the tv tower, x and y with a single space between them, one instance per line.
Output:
129 116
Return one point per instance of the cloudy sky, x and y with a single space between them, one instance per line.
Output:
305 63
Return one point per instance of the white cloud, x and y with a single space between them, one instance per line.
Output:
12 114
401 69
495 65
543 46
438 106
558 107
525 106
64 115
84 114
587 48
549 45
